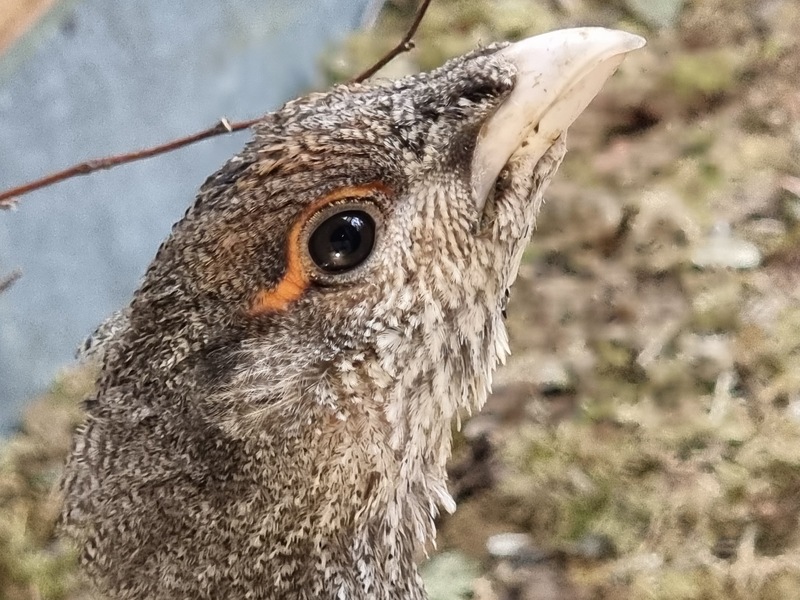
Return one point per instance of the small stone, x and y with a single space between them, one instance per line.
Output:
449 576
480 427
723 250
509 545
552 376
595 546
793 409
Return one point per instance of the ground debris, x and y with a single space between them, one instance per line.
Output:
662 415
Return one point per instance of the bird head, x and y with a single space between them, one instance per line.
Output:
335 296
373 226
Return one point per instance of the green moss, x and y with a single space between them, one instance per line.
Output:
672 458
33 564
704 73
670 454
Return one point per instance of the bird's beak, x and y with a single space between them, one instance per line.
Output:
558 74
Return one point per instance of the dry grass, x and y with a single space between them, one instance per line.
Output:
652 403
33 563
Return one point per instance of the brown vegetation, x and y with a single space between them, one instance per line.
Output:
645 434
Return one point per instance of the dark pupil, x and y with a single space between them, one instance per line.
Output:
343 241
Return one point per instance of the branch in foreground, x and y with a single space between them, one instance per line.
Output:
9 280
8 198
404 45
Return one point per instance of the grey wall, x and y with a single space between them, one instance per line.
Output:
102 77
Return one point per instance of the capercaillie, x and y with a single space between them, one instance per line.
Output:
272 416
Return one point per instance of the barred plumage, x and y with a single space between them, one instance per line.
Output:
272 417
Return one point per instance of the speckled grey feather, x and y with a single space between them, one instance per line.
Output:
93 347
300 454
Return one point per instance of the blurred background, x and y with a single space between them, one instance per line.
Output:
86 78
641 443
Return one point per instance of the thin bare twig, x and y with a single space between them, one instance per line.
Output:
9 280
8 198
405 44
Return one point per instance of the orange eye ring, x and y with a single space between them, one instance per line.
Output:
298 274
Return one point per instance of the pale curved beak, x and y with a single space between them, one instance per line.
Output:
558 74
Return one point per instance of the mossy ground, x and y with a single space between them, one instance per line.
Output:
653 400
33 563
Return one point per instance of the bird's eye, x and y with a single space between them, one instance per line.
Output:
342 241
